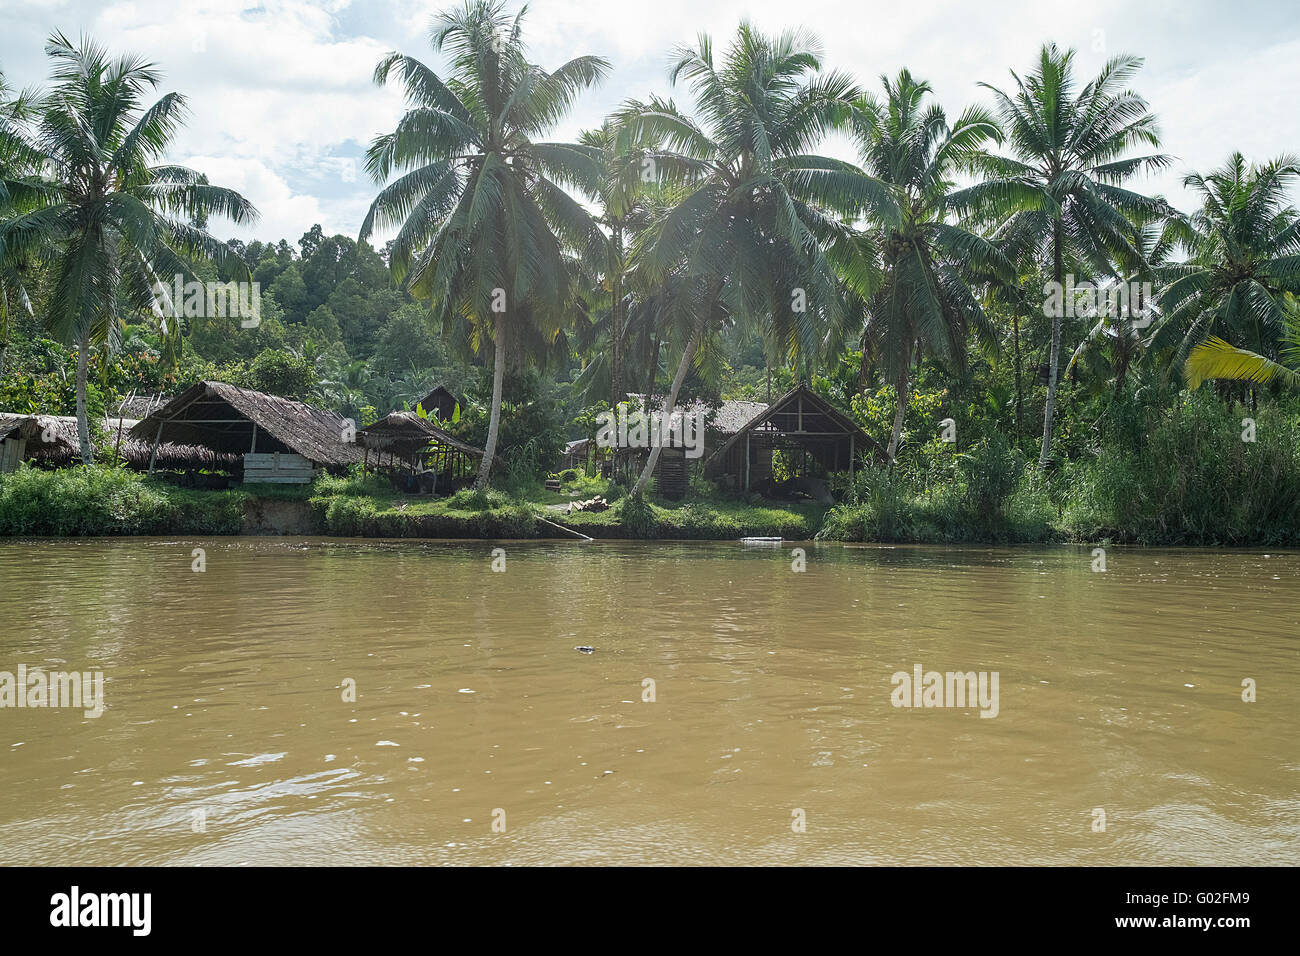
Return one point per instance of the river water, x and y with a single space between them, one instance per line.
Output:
478 734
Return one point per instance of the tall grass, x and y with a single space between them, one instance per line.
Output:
993 496
106 500
1190 478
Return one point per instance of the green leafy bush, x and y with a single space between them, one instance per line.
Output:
638 517
103 500
1190 478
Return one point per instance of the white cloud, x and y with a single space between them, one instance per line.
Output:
283 104
283 214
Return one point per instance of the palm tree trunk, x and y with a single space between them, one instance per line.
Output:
1054 362
1015 351
900 411
688 354
494 419
617 322
654 370
83 420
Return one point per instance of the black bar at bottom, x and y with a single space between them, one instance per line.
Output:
973 906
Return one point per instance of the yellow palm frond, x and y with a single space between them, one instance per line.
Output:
1215 358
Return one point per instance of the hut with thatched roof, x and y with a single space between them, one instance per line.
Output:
279 439
440 401
417 455
51 441
813 438
672 473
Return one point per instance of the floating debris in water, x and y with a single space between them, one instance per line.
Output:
584 649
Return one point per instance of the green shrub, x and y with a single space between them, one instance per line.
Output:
1191 479
327 484
104 500
638 517
348 516
473 499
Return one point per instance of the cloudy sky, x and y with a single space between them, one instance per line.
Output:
283 103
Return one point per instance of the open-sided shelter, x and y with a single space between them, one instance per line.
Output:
280 440
814 438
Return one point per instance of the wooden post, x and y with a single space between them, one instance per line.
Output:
254 448
852 441
746 461
153 453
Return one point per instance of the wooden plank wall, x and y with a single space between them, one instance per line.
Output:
278 467
672 475
12 451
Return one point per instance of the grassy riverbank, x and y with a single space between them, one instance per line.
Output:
1189 479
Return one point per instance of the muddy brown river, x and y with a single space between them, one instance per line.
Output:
305 701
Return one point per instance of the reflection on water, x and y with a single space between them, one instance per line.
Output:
225 710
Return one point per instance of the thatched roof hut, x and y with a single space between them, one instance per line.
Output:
723 420
406 433
233 420
416 445
52 440
440 400
804 426
140 406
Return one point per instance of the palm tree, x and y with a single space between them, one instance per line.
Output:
1059 195
482 214
16 195
924 299
344 388
1117 340
623 210
114 225
751 223
1245 259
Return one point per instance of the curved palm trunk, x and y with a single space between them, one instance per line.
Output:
494 418
688 354
1054 362
83 421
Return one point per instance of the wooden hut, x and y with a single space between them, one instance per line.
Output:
672 473
440 401
417 455
578 453
51 441
279 439
814 437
